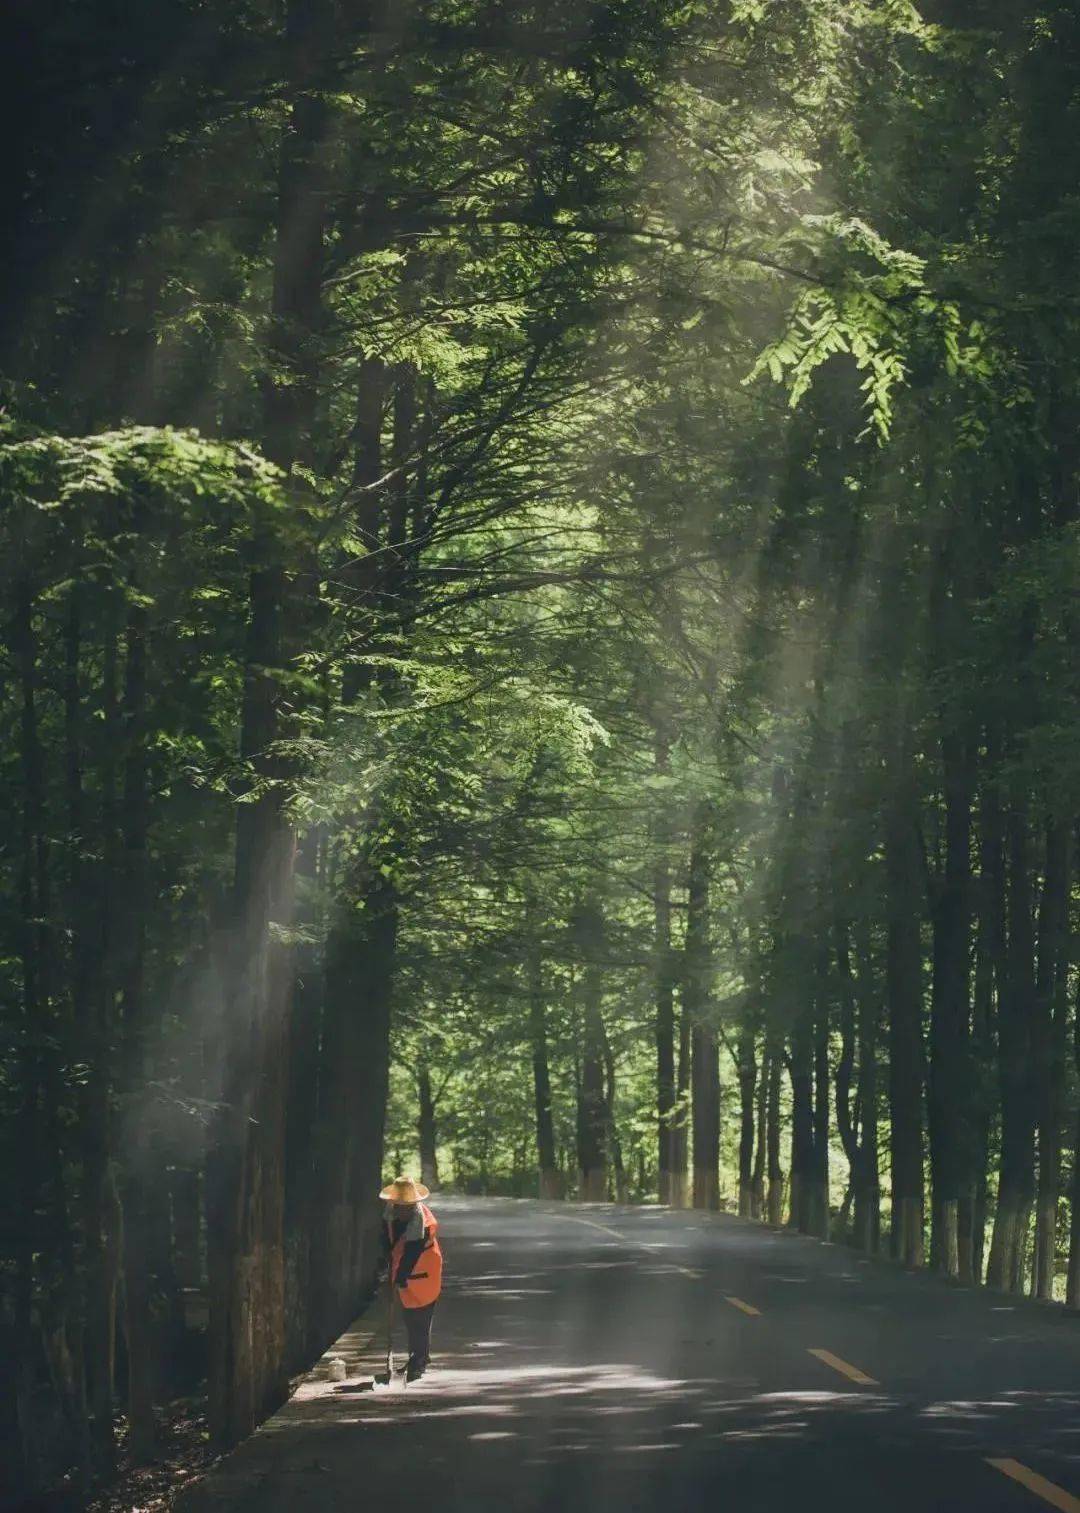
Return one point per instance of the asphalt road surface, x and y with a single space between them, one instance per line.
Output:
591 1358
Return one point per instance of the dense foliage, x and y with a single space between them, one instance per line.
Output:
539 576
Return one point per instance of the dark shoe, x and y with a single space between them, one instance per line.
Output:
414 1371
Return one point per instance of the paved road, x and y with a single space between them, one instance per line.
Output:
591 1358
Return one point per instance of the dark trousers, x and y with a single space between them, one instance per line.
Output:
418 1330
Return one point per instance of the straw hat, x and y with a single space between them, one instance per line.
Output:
404 1190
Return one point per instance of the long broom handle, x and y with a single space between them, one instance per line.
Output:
389 1325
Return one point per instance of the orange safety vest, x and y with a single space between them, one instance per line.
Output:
425 1283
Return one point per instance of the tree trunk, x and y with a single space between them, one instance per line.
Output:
747 1120
775 1204
246 1172
857 1126
89 894
32 948
550 1185
44 1268
1072 1280
757 1177
904 995
820 1217
665 1034
1008 1243
303 1225
108 928
361 955
990 974
802 1123
949 898
614 1144
140 1180
845 1066
679 1153
949 1072
704 1058
705 1093
1051 989
867 1190
426 1131
664 978
593 1154
246 1175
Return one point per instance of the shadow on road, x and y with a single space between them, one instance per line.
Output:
575 1373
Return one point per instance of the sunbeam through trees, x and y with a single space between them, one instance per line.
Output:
539 648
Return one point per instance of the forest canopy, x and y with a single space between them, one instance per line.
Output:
538 589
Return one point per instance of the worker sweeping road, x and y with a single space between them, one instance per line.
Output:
412 1262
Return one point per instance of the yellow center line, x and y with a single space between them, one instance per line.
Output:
755 1313
637 1244
845 1368
1056 1496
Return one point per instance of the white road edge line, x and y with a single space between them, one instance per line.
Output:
637 1244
